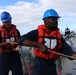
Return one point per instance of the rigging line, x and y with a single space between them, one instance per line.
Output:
62 54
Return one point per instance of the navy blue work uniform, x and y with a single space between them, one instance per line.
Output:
41 65
10 61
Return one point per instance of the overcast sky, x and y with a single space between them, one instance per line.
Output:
27 14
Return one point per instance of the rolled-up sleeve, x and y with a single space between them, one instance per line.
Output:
32 35
21 39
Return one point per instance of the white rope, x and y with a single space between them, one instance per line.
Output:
62 54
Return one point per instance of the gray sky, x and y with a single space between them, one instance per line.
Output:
28 15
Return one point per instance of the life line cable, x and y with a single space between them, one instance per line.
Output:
62 54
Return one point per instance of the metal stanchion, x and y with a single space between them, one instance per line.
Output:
23 59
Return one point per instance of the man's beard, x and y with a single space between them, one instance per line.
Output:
52 27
